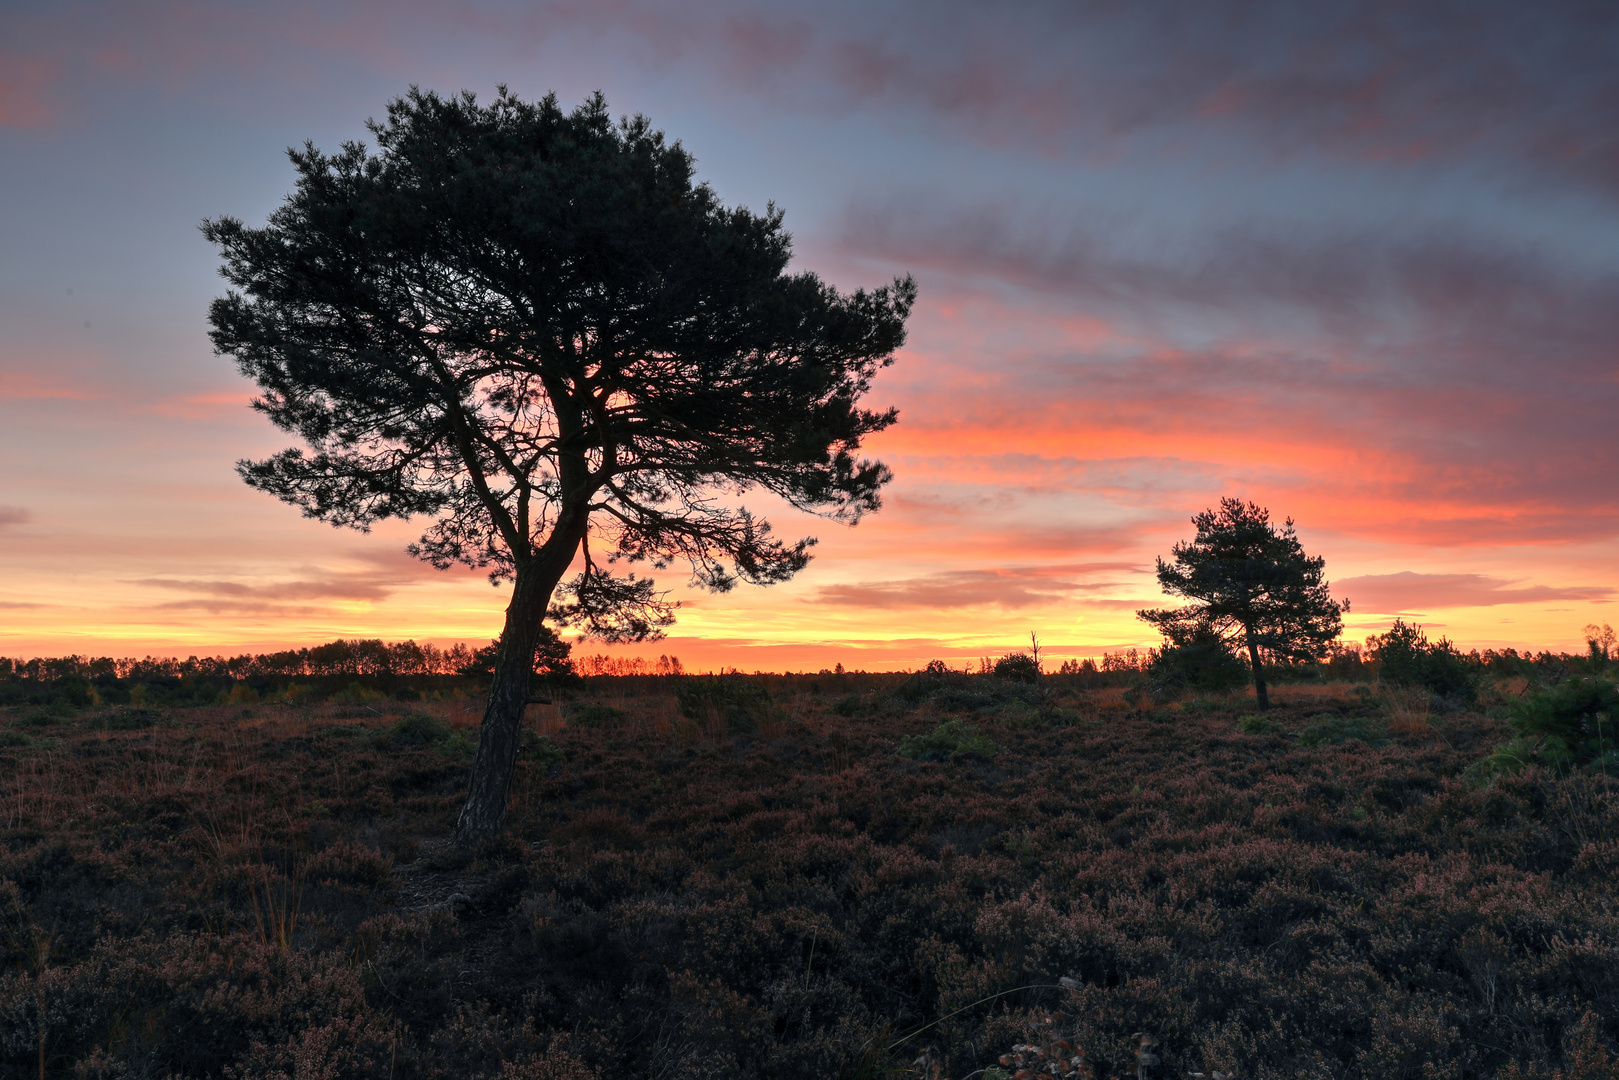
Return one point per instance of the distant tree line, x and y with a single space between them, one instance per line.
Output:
1402 655
369 656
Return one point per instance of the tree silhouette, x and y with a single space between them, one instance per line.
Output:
534 328
1252 585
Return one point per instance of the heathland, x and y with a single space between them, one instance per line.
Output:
805 876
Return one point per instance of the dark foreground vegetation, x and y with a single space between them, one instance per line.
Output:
801 876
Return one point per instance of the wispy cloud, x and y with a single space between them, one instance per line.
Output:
25 385
1014 588
14 515
204 406
1459 382
1371 82
221 595
1410 591
25 82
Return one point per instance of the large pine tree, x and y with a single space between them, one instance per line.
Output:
536 330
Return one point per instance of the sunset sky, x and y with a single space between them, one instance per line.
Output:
1356 262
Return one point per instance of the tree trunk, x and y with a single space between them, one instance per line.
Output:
483 816
1260 696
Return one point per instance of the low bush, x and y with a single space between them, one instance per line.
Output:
1202 662
592 714
1331 730
349 863
1571 725
540 750
1017 667
419 729
1405 657
1260 724
734 703
931 681
133 718
950 741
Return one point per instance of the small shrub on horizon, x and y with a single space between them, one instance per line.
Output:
932 680
1017 667
1405 657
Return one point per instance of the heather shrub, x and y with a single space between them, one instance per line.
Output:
539 750
731 703
45 716
179 1005
1025 713
1204 706
1261 724
1330 730
950 741
848 706
419 729
592 714
133 718
350 863
978 696
798 906
356 693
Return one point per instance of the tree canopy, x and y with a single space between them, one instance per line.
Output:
536 330
1252 586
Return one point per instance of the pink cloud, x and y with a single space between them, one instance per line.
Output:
1408 591
1441 388
307 595
205 406
25 85
23 385
1012 588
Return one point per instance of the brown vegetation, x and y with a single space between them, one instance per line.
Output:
774 891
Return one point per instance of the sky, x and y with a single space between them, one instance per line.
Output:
1358 263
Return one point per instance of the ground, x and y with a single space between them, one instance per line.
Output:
769 887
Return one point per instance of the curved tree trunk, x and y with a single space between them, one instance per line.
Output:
483 816
1260 697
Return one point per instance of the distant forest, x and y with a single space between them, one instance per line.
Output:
408 671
